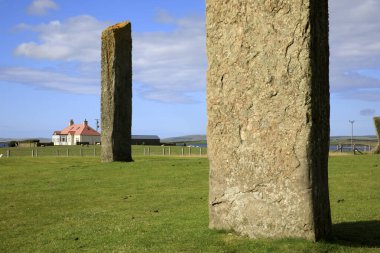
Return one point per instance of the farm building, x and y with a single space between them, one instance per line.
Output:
4 144
28 143
145 140
76 134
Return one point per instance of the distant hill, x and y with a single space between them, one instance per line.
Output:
200 137
357 137
42 139
195 138
363 140
363 137
186 138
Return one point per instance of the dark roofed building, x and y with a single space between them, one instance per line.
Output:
32 143
4 144
145 140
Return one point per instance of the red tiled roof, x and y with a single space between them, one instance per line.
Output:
79 129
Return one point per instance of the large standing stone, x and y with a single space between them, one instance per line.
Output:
116 97
268 117
376 120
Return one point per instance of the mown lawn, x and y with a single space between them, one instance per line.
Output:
159 204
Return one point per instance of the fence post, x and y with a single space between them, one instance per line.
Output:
189 150
200 151
80 152
36 152
32 152
144 152
183 152
8 153
163 150
148 151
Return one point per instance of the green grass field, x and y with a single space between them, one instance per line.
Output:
159 204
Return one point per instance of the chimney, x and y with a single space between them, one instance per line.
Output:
71 122
85 122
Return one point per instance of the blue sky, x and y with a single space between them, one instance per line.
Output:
50 69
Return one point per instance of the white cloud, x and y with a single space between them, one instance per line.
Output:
362 94
41 7
367 112
171 66
50 80
355 49
75 39
167 66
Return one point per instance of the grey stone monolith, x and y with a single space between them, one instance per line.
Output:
116 94
268 117
376 121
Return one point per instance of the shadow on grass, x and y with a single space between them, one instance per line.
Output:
358 234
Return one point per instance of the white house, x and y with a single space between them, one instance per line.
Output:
75 134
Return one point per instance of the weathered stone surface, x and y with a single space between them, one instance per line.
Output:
376 120
268 117
116 94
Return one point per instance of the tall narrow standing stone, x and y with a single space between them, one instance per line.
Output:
268 117
376 120
116 97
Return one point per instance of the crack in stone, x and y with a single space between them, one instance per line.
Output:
214 203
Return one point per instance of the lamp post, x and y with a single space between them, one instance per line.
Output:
97 124
352 133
